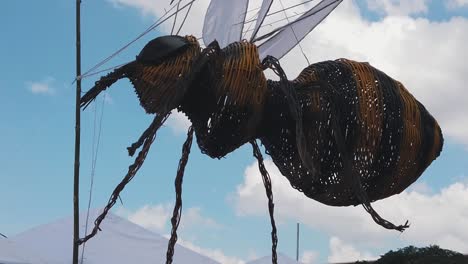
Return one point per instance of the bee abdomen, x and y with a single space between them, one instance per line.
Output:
398 137
389 136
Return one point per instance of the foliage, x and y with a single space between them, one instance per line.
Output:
425 255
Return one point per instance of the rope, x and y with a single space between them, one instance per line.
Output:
279 11
294 33
175 18
94 155
175 220
275 21
271 206
185 18
132 170
149 29
250 25
84 76
3 235
295 21
104 83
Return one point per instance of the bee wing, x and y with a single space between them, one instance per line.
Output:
224 21
281 40
266 4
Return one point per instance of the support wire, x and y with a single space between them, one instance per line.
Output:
94 155
158 22
294 33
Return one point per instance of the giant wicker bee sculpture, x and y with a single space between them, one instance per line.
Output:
342 132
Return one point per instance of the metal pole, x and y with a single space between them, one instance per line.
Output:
76 178
297 243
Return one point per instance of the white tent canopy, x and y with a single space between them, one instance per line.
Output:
12 253
119 242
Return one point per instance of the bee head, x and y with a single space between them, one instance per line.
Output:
159 67
162 48
155 74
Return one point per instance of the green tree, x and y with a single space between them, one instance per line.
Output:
426 255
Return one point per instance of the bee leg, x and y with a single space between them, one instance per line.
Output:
105 82
155 125
295 109
353 179
132 170
271 206
175 220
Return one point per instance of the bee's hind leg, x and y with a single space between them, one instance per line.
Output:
295 109
353 180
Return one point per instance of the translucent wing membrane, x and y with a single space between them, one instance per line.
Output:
266 4
281 40
224 21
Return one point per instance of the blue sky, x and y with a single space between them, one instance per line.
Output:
37 109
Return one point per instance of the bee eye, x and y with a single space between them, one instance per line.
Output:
161 48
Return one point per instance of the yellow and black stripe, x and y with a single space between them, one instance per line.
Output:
242 80
225 102
390 136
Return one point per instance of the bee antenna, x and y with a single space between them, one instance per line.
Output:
104 83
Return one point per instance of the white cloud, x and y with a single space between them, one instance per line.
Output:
452 4
252 255
147 7
310 257
194 23
215 254
192 218
398 7
157 217
420 187
342 252
178 122
42 87
435 218
152 217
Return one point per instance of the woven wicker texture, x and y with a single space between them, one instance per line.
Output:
225 102
390 135
343 132
156 84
